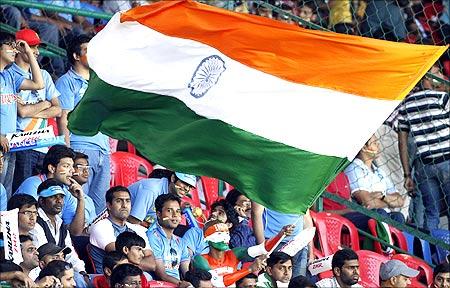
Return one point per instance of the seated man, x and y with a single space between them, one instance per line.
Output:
29 254
301 281
248 281
111 260
278 271
103 234
441 276
13 275
345 267
27 206
61 270
222 262
81 175
47 253
395 273
199 278
126 275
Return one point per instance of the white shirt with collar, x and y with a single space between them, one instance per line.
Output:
40 239
333 283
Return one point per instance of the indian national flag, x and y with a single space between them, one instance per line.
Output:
273 109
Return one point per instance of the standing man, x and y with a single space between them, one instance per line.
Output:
10 85
35 108
72 86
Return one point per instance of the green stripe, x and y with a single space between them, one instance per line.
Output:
166 131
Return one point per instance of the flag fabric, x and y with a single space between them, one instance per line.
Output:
273 109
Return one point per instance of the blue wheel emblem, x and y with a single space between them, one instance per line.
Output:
206 75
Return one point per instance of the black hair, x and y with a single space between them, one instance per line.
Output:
121 272
233 196
49 183
278 257
301 282
79 155
74 46
248 276
341 256
128 239
163 198
55 268
21 200
9 266
110 193
55 154
232 215
441 268
25 238
111 259
197 275
6 37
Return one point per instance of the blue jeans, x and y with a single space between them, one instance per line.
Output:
433 180
7 175
397 216
99 178
28 162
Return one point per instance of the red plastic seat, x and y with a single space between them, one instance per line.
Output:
369 271
210 188
398 237
332 234
426 273
127 168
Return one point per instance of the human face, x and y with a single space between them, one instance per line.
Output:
248 283
131 282
63 171
135 254
349 273
244 206
281 271
49 258
179 187
120 206
218 213
171 213
27 218
81 171
52 205
67 279
305 13
30 255
442 280
205 284
400 281
8 53
83 55
372 148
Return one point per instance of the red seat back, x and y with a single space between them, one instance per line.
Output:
398 237
331 230
426 273
210 188
341 187
369 263
127 168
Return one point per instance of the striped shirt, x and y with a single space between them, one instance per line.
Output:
425 115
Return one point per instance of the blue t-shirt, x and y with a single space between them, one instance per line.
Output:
195 241
34 96
29 186
9 88
64 3
274 221
72 88
171 251
3 198
143 195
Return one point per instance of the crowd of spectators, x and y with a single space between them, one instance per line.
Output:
76 230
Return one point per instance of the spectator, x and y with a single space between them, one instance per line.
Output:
27 206
441 276
50 228
370 185
103 234
241 234
29 254
301 282
306 12
345 267
72 86
424 116
395 273
47 253
340 12
58 165
81 175
145 191
132 245
33 110
61 270
278 271
241 204
248 281
11 84
111 260
171 254
199 278
126 275
13 274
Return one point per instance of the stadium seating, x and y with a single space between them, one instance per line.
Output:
398 237
370 267
443 235
425 248
127 168
426 273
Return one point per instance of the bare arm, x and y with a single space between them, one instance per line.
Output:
404 158
394 200
161 273
370 200
31 110
148 263
62 126
258 227
110 247
37 82
53 111
308 223
77 225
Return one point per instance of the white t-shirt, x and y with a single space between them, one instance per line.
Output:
333 283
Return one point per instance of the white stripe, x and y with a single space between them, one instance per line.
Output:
323 121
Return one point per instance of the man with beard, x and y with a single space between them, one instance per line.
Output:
58 164
103 234
27 206
345 267
278 271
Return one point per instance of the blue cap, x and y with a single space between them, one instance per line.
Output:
187 178
51 191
